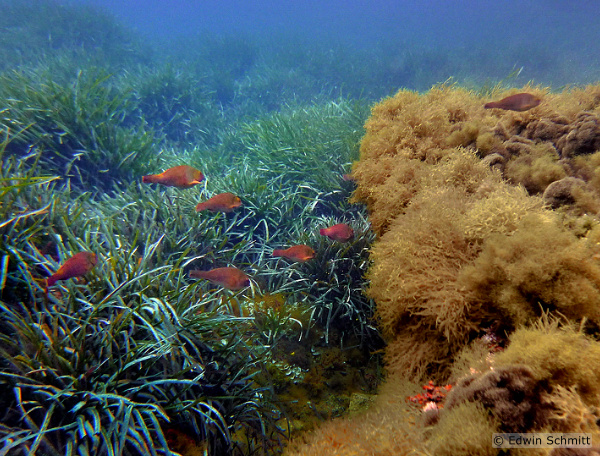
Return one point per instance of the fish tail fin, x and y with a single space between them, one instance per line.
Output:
197 274
323 231
277 252
149 179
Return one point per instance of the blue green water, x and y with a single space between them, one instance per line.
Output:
268 99
416 43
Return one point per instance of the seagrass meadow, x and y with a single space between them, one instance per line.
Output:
474 261
135 358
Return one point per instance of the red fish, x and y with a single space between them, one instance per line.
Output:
340 232
299 253
230 278
517 102
183 176
223 202
78 265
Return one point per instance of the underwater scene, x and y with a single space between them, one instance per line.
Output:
238 228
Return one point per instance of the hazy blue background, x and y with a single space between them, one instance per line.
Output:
369 21
535 35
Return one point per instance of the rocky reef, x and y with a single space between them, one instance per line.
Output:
486 269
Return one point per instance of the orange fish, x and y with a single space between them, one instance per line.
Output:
183 176
299 253
348 177
230 278
340 232
223 202
78 265
517 102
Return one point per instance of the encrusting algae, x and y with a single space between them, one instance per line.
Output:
487 259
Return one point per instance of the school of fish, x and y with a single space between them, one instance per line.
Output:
232 278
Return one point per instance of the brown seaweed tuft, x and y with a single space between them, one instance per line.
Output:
488 222
466 240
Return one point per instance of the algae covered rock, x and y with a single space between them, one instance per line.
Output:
465 239
511 393
360 402
488 227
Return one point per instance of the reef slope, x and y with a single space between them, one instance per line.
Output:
486 268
